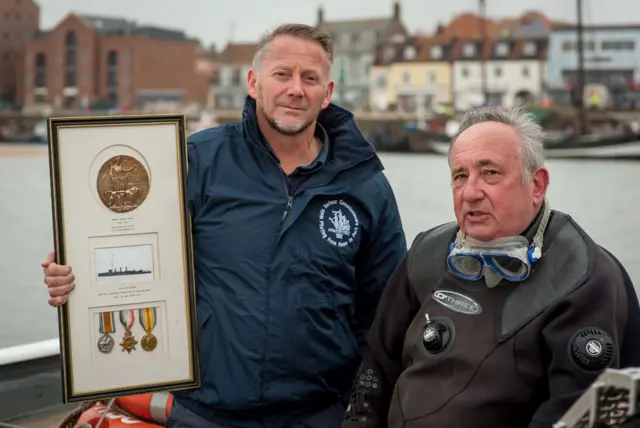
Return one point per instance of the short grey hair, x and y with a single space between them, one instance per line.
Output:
531 141
301 31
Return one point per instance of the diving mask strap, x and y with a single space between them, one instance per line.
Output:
536 248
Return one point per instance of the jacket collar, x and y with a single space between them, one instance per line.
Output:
347 146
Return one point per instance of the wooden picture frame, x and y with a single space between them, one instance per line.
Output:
121 221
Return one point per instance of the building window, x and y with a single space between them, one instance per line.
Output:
70 61
502 49
389 54
41 71
618 45
530 48
525 71
341 69
436 52
366 66
406 78
354 68
236 77
570 45
112 77
497 72
469 49
432 78
464 72
409 53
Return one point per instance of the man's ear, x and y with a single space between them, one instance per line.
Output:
540 179
252 83
328 95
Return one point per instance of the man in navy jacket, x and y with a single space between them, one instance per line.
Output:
296 231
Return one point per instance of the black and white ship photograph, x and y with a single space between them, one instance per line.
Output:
124 264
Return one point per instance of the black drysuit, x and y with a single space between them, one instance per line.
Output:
514 356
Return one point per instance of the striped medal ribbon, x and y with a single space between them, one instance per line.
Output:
107 325
127 318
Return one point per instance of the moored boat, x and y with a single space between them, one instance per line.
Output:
625 146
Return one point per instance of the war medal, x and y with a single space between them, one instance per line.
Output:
107 325
147 318
127 319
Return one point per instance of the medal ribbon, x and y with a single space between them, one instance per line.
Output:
106 323
127 318
147 317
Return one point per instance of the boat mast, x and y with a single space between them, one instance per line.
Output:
580 78
483 38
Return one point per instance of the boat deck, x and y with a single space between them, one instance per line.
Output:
31 394
48 418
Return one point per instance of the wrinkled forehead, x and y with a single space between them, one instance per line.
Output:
484 144
294 52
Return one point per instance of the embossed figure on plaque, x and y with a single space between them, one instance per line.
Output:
147 318
105 343
123 184
127 319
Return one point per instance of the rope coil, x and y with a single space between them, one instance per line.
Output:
71 420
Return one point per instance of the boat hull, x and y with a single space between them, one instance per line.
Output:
600 150
593 150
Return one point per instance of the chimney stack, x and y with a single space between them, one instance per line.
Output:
396 10
320 16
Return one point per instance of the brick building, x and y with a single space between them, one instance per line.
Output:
19 21
229 82
100 63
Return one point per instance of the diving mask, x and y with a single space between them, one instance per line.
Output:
510 258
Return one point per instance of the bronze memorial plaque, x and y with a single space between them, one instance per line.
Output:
123 184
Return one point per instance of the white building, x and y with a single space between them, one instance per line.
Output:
514 70
355 44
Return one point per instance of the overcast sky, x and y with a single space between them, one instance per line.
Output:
218 21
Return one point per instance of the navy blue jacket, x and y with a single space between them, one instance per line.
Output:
287 279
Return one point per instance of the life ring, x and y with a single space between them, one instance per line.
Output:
112 419
153 407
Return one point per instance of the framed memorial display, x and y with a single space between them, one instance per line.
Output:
121 222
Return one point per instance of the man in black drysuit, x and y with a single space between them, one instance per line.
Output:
503 318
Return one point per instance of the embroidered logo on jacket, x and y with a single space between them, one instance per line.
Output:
457 302
338 223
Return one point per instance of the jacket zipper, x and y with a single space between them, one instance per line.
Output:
287 209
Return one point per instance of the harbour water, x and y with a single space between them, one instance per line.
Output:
602 196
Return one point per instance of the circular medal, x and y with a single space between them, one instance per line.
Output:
149 342
105 343
123 183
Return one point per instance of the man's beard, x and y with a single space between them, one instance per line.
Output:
283 128
286 129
